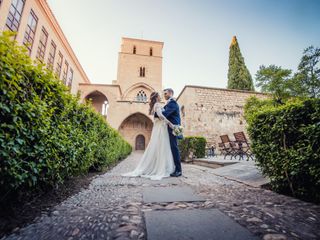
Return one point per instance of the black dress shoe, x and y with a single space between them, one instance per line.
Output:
176 174
173 174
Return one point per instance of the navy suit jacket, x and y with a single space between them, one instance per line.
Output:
172 112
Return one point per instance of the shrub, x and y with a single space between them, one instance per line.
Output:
195 144
286 143
46 135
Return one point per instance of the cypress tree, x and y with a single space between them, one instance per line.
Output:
239 76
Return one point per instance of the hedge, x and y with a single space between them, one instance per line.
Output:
195 144
286 143
46 135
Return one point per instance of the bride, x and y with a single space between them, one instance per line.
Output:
157 160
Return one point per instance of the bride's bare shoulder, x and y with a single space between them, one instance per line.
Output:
157 104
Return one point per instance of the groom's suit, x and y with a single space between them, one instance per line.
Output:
172 113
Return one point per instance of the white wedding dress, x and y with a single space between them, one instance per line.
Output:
157 160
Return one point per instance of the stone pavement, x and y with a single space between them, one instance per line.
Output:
239 170
113 208
194 224
245 172
170 194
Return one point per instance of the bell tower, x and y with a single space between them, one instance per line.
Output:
140 63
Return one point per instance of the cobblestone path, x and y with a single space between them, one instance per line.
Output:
112 208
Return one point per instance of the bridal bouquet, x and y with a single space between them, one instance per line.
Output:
177 131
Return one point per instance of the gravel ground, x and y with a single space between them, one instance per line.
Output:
112 208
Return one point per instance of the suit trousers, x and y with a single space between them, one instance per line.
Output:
175 150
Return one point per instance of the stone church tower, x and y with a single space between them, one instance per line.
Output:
124 103
139 63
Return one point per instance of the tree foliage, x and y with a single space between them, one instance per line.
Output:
306 82
282 84
274 80
239 76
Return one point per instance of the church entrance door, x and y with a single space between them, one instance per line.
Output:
140 142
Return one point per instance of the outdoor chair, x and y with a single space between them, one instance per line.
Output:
243 145
227 147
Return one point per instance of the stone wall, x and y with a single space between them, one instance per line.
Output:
212 112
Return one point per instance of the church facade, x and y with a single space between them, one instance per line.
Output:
124 103
205 111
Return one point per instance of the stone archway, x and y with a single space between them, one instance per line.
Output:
134 127
99 102
140 142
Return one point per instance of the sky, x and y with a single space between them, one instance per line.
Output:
196 34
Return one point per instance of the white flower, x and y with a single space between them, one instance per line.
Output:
177 130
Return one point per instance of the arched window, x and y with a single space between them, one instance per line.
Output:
134 49
141 96
151 51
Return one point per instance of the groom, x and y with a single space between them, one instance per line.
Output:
172 113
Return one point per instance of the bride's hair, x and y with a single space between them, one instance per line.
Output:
153 100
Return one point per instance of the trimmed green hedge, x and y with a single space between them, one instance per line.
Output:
195 144
286 143
46 135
